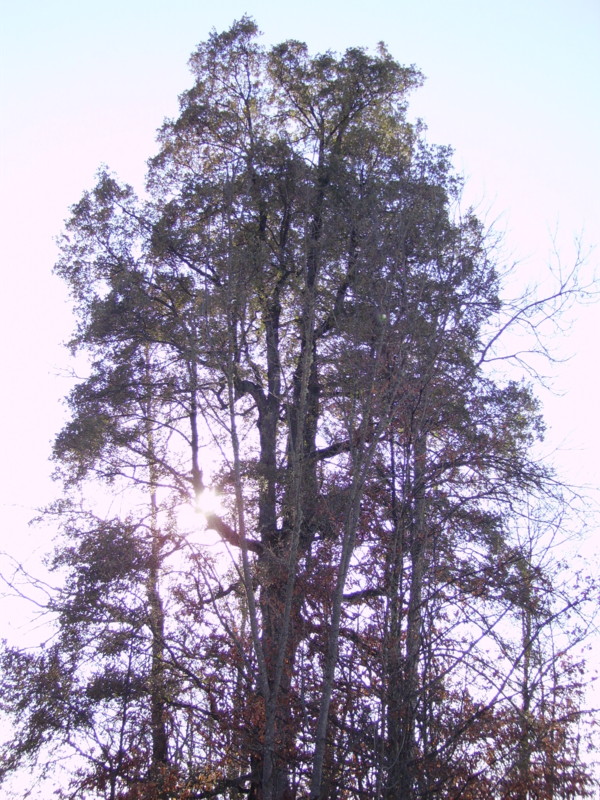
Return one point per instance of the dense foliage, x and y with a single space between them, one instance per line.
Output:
300 318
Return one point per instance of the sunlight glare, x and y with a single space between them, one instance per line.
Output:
192 516
209 503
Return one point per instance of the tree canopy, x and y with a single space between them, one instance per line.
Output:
299 318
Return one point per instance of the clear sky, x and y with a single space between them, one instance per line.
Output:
513 86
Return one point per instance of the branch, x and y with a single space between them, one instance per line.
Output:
228 534
220 786
363 594
333 450
244 386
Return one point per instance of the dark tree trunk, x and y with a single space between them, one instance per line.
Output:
403 676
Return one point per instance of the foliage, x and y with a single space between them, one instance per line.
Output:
299 316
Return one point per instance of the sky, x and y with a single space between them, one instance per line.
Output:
512 86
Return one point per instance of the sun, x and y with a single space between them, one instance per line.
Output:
209 503
192 516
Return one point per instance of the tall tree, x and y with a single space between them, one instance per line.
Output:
297 315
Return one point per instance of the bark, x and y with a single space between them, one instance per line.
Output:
392 646
156 617
402 751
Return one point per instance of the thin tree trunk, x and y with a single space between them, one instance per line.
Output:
156 617
160 756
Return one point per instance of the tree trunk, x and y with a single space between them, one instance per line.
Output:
403 679
156 619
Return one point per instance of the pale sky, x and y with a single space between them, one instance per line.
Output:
511 85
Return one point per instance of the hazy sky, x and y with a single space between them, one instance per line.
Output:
511 85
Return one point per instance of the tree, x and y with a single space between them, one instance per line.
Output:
298 316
